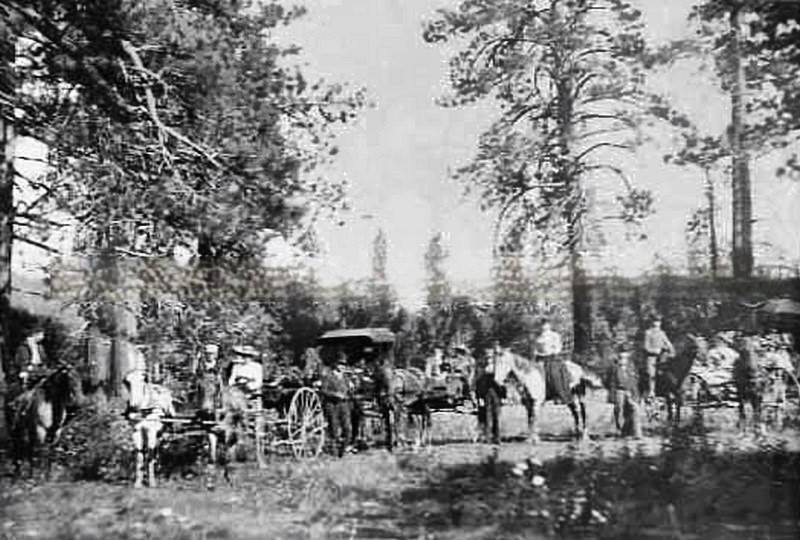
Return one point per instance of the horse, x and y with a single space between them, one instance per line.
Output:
532 382
750 380
414 408
388 399
148 404
223 412
38 415
672 377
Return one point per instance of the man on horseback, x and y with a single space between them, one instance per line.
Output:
548 350
31 358
657 349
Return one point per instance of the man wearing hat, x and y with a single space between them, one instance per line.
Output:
657 348
30 357
623 386
336 403
246 370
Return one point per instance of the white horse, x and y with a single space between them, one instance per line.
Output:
148 404
530 377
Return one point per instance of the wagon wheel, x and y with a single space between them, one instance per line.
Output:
305 423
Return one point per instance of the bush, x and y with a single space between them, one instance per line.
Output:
97 445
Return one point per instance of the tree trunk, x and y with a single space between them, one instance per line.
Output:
742 203
7 90
126 307
712 226
581 307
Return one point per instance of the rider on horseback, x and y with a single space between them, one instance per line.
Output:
657 348
31 358
548 350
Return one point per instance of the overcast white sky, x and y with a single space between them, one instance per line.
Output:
396 158
398 155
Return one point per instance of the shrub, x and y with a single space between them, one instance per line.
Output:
97 445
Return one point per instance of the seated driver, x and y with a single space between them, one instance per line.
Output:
722 356
464 365
246 369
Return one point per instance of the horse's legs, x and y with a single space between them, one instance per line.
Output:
428 421
230 451
573 408
150 456
211 466
531 406
758 423
260 427
138 444
492 424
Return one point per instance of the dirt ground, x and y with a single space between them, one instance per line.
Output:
455 489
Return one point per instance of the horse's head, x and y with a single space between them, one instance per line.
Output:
694 347
135 383
501 363
64 385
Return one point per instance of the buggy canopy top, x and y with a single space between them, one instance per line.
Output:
374 336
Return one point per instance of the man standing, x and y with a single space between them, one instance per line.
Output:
335 393
657 348
548 351
622 393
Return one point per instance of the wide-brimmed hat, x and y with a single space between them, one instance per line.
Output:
460 347
723 337
245 350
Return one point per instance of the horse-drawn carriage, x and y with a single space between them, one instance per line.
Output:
386 397
280 413
365 359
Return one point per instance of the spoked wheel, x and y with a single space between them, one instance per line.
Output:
306 424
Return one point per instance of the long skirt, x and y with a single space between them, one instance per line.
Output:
557 379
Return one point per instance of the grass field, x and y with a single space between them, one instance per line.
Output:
700 482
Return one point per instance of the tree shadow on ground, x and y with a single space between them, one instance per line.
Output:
690 490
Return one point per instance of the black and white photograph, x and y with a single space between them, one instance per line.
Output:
400 269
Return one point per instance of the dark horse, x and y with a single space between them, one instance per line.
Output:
413 406
672 375
223 414
38 415
400 396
